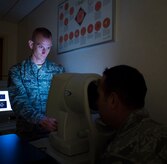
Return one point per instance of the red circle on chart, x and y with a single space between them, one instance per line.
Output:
76 33
71 35
98 26
66 21
106 22
65 37
61 39
66 6
98 6
80 16
61 16
83 31
90 28
71 10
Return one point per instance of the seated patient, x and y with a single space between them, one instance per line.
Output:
137 138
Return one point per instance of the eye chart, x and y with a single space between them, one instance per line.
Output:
83 23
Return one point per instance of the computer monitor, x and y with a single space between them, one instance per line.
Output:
4 101
6 112
72 101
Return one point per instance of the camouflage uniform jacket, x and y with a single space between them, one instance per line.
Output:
28 88
141 141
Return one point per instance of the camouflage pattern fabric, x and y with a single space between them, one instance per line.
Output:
28 91
140 141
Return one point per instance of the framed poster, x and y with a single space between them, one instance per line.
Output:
84 23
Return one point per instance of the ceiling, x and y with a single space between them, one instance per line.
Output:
15 10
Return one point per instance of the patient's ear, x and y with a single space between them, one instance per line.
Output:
113 100
30 43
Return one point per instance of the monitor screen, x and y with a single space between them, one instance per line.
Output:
4 101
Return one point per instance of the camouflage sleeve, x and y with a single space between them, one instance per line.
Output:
144 143
19 99
62 69
59 69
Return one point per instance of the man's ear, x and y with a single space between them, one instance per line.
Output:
30 43
113 100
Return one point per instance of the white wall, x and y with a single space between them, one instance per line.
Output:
8 31
140 41
46 16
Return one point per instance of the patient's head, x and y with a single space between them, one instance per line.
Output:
122 90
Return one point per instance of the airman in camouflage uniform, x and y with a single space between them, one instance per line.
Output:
29 84
136 137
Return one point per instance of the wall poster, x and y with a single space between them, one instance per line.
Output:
84 23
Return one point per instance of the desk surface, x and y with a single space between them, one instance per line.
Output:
13 150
